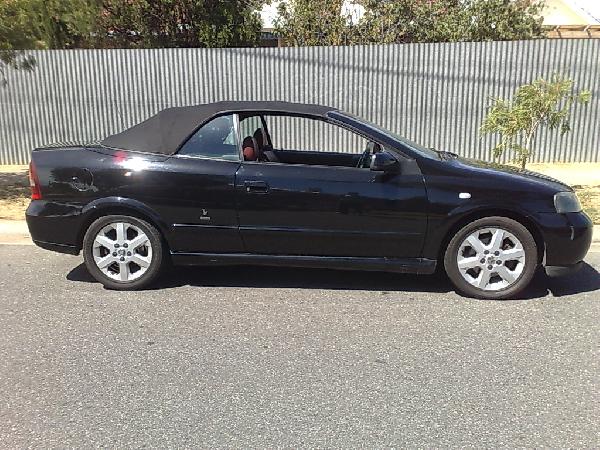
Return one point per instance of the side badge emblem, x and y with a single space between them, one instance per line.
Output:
205 215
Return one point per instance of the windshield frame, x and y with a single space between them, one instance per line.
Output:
378 130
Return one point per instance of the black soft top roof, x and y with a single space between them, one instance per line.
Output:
167 130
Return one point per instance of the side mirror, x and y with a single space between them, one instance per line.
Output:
384 162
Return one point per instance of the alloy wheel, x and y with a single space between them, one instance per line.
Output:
491 259
122 251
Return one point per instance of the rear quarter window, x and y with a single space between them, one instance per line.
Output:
216 139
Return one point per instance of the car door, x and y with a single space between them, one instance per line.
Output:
197 187
297 209
325 211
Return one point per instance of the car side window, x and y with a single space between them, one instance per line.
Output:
306 134
287 139
215 139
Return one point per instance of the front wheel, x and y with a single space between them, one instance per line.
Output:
491 258
123 252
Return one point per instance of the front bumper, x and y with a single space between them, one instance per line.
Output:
567 238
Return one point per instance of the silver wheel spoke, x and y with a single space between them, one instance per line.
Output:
137 241
469 263
513 253
121 229
475 243
103 241
103 263
141 261
506 275
497 239
124 271
483 279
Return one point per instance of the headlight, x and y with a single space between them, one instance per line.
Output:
566 202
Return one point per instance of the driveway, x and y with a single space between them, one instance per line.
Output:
264 357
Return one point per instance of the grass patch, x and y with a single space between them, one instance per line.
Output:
14 194
589 196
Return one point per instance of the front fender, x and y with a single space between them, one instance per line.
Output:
443 225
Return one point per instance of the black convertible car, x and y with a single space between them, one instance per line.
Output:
275 183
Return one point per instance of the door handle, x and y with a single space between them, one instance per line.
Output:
256 187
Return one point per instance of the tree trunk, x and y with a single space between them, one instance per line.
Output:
528 140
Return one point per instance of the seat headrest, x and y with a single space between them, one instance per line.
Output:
259 135
249 147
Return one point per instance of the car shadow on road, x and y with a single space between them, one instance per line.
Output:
286 277
586 280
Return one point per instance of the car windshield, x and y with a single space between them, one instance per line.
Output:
428 152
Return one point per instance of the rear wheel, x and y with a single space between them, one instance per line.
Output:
491 258
123 252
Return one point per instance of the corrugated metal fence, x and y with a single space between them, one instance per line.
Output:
435 94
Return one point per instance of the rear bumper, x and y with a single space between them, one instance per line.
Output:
55 226
60 248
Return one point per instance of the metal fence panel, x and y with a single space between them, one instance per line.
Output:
435 94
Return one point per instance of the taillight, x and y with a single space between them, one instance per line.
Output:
34 183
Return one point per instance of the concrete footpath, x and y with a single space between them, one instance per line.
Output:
16 232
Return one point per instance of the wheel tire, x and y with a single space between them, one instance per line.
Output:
155 252
513 227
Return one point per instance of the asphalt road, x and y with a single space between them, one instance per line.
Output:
259 357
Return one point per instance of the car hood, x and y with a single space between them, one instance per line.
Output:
511 173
